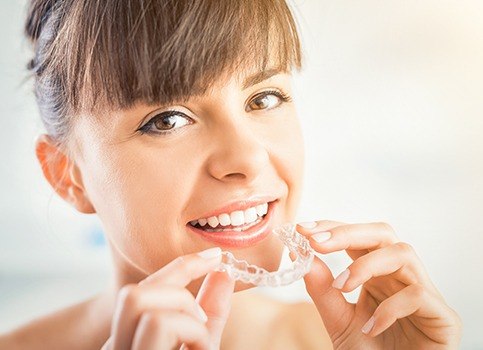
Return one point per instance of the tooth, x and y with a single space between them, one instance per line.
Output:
250 215
237 218
213 221
224 219
202 222
194 222
262 209
265 208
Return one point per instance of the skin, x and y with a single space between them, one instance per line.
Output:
146 188
398 308
226 154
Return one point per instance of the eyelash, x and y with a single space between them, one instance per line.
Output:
145 129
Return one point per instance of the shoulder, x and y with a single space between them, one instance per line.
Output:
302 321
297 325
65 328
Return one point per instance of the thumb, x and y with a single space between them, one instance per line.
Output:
214 297
335 311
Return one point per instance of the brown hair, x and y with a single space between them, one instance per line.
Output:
95 55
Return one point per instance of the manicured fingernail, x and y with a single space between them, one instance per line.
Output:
210 253
341 279
320 237
202 313
368 326
311 224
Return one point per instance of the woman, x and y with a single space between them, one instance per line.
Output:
173 121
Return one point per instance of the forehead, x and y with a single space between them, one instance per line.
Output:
172 51
246 79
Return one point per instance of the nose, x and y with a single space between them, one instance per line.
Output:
238 154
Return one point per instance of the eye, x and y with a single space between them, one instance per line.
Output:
267 100
165 123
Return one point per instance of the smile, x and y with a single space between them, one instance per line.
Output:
237 220
238 228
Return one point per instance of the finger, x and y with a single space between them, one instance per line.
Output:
335 311
354 237
398 259
308 228
161 330
214 297
107 345
322 228
184 269
413 299
133 300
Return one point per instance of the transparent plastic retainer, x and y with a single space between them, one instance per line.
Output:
242 271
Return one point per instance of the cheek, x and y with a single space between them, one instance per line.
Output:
139 191
288 156
138 196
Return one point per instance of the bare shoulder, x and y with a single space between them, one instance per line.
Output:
67 328
296 325
309 330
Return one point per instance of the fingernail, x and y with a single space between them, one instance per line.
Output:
320 237
210 253
310 224
368 326
202 313
341 279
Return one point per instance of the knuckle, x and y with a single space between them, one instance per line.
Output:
154 321
186 298
325 223
185 294
344 230
386 227
182 264
405 248
129 295
184 269
358 267
383 307
417 290
179 261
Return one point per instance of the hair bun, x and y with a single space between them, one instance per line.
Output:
38 14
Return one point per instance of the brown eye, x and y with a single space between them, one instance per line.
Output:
165 123
267 100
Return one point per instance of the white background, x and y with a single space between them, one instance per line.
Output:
390 101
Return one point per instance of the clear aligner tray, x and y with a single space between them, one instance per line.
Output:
295 242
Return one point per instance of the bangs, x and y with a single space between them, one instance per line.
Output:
112 54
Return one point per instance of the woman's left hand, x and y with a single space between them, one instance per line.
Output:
398 307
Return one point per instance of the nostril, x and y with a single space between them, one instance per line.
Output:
235 175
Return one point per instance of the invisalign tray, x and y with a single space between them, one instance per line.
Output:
295 242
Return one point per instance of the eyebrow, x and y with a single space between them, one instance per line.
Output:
259 77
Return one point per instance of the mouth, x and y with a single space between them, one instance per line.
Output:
236 229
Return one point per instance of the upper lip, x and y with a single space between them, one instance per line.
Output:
238 205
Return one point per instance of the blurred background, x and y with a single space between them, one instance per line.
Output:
391 105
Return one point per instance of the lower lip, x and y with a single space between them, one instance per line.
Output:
242 239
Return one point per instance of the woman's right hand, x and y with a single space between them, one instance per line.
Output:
160 313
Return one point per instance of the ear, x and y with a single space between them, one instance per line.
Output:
62 173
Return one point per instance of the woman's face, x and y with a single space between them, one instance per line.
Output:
149 173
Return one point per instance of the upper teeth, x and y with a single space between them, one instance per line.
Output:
236 218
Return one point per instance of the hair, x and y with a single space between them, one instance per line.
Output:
96 55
